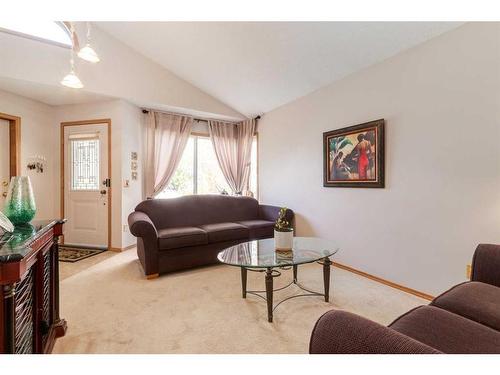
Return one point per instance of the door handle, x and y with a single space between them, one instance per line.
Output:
103 192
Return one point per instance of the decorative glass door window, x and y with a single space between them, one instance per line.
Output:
84 164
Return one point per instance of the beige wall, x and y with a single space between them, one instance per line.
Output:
441 103
38 138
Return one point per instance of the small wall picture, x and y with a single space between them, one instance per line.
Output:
354 156
133 155
133 165
134 176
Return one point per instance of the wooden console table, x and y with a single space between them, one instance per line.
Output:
29 288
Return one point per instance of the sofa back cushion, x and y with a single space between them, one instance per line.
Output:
194 210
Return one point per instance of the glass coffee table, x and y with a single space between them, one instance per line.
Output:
261 256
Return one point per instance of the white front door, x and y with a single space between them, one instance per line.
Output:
86 181
4 161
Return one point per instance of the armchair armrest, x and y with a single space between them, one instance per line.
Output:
341 332
271 213
141 225
486 264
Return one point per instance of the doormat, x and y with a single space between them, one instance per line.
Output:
74 254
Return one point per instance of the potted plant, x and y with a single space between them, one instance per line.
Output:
283 232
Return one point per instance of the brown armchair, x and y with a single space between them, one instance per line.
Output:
341 332
486 264
464 319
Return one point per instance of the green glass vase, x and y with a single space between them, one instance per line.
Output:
20 205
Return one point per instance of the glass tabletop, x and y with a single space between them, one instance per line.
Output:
262 253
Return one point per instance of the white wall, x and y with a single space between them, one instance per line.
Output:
122 73
40 135
38 138
441 103
132 141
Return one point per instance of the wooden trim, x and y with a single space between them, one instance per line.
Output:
110 190
87 122
15 147
153 276
120 249
14 143
385 282
110 194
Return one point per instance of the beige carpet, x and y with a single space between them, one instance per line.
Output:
111 308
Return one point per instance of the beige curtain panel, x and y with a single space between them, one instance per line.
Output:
233 147
166 138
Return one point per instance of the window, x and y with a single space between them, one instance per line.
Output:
41 30
209 175
84 164
198 171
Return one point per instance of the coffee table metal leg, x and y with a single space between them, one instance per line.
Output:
244 282
269 294
295 270
326 277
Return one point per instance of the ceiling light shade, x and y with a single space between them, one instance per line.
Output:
87 53
71 80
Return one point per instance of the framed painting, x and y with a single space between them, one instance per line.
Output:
354 156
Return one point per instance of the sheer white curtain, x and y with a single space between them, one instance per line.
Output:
166 138
233 147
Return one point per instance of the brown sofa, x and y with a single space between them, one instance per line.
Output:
465 319
180 233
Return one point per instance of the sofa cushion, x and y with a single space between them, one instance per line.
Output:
447 332
258 228
220 232
473 300
173 238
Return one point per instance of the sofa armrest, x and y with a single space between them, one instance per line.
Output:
341 332
144 229
141 225
271 213
486 264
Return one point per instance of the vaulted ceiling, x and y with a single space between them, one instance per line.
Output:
255 67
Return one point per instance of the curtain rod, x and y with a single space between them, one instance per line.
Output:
195 118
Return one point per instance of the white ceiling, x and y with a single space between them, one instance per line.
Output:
255 67
49 94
